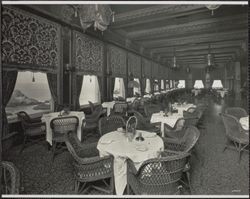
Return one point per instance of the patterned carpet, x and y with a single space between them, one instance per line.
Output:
213 171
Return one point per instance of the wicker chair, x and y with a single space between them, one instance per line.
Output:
34 130
120 108
157 176
185 144
60 126
149 109
111 123
10 182
88 166
236 112
176 131
235 134
143 124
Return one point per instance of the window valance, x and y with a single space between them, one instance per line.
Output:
117 61
134 65
29 41
88 54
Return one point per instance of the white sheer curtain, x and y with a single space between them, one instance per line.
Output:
119 88
148 87
137 90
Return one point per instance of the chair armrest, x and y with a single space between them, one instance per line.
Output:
35 120
131 167
93 160
35 124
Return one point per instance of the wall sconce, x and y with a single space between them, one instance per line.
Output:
188 69
69 69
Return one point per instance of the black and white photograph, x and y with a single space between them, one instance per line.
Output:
124 99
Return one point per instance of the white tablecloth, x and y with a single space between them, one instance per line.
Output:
116 144
48 117
131 99
109 106
170 119
147 95
183 107
196 92
222 93
244 121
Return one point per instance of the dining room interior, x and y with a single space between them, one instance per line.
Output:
124 99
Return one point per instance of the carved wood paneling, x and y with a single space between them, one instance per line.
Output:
146 68
134 65
155 70
29 41
117 61
88 54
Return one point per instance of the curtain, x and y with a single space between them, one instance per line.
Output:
79 80
8 85
52 81
112 86
152 85
130 90
143 85
99 79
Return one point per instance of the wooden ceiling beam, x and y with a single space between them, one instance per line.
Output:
235 35
199 24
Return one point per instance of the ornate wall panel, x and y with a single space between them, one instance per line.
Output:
29 41
117 61
88 54
146 68
155 70
134 65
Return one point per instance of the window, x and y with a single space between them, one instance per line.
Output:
162 84
156 86
31 94
181 84
171 83
148 87
167 84
198 84
217 84
137 90
90 90
119 89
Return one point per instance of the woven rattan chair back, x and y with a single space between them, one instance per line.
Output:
64 124
160 175
179 124
111 123
232 126
120 108
10 182
236 112
190 138
24 118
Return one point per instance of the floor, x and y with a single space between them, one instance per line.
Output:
213 171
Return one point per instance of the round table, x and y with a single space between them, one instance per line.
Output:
117 144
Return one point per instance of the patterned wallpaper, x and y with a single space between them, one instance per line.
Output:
155 70
29 41
134 65
146 68
88 54
117 61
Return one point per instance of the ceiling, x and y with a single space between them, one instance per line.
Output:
159 30
186 29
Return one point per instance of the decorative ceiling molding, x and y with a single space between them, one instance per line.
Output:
197 39
154 10
204 25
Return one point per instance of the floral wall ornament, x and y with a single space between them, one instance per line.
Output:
29 41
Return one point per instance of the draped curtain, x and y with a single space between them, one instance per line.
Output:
99 79
79 80
130 90
112 86
52 81
8 85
